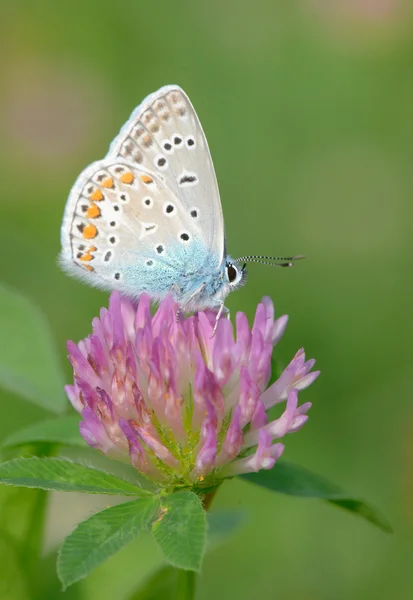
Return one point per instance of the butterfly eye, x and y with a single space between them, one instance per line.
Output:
231 273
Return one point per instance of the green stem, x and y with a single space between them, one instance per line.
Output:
34 538
186 585
31 550
207 500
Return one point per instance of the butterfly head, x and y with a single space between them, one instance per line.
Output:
235 274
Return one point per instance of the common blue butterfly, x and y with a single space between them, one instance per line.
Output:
148 217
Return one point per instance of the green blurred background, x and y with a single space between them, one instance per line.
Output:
308 110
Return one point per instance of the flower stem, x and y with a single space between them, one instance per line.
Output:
186 585
31 547
207 500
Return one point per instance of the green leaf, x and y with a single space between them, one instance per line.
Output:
63 430
28 359
63 475
102 535
181 530
294 480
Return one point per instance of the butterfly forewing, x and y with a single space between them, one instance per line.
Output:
165 137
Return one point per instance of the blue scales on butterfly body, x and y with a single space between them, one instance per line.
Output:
195 277
148 217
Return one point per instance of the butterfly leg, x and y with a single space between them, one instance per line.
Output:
190 298
187 304
175 291
222 309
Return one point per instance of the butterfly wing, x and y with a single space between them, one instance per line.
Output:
125 229
164 135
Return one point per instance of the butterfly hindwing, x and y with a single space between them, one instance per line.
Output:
125 229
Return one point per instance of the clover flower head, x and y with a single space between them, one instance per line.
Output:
183 406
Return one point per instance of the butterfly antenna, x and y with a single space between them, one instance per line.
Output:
272 261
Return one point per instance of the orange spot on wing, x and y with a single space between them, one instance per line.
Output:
146 179
108 183
86 256
89 232
97 196
93 211
91 249
127 177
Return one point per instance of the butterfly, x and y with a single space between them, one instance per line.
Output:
148 217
